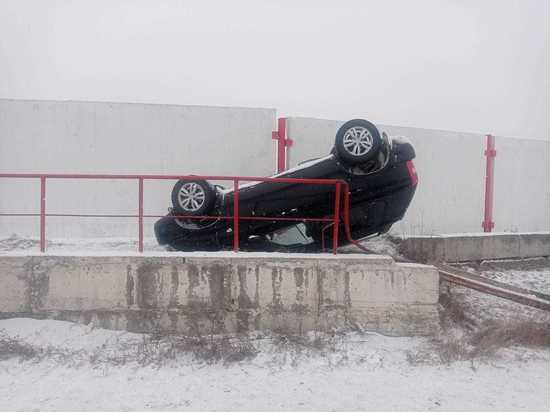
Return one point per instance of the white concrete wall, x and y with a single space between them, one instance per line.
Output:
522 185
451 167
86 137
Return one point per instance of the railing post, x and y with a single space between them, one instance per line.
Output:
336 219
282 143
140 214
490 153
42 214
346 210
235 215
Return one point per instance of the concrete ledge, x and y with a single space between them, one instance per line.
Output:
192 293
472 247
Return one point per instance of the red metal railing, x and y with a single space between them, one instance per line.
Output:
283 142
490 153
43 177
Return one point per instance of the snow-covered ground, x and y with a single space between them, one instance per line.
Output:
23 245
491 355
76 367
533 274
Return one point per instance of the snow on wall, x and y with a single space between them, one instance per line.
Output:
91 137
451 167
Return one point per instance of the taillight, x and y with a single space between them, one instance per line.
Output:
412 172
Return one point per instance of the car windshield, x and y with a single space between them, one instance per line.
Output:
294 235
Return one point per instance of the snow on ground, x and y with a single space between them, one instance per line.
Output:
480 234
382 245
49 365
24 245
17 245
533 274
538 280
20 246
361 371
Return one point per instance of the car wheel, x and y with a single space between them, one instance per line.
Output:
193 197
357 141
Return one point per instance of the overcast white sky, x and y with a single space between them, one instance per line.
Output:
466 65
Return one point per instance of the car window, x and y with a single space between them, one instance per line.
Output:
292 235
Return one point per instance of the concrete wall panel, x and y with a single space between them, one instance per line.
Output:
92 137
522 185
223 294
16 281
476 247
449 197
451 168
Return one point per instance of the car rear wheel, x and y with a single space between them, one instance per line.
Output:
193 197
357 141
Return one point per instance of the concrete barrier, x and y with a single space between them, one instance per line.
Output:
475 247
224 292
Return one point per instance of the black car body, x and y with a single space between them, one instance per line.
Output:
381 181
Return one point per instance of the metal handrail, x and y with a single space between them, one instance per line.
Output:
335 219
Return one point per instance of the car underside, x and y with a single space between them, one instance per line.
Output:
377 171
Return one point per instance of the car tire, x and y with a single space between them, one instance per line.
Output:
193 197
357 141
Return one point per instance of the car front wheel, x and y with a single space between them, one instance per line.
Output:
357 141
193 197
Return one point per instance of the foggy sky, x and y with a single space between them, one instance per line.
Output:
481 66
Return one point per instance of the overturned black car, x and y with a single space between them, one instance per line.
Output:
378 170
